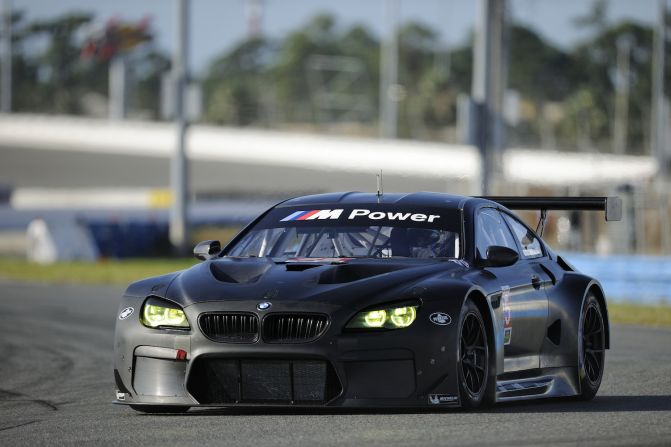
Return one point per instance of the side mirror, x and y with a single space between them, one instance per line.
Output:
207 250
498 256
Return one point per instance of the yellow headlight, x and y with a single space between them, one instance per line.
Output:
375 318
403 316
385 318
154 315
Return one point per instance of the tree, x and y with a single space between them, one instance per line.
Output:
290 68
595 19
596 59
63 77
234 84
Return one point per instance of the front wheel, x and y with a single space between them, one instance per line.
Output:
474 369
591 347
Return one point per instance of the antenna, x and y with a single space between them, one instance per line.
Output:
380 190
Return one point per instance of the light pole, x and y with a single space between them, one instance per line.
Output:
622 95
6 71
179 225
488 87
389 73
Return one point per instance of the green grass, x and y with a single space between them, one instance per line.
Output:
117 272
123 272
645 315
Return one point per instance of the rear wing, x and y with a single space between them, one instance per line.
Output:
612 206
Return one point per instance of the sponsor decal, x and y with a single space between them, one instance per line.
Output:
507 315
313 215
437 399
358 214
127 312
531 252
440 318
507 335
264 305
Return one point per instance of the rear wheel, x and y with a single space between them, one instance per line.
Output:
158 409
591 347
474 370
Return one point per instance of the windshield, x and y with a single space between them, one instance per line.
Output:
375 231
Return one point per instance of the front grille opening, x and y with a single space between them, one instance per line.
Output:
230 327
263 381
293 328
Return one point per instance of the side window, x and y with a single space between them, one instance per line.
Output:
531 246
492 230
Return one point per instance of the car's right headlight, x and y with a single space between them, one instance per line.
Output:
158 313
384 318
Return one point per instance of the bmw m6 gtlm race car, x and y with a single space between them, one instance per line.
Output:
357 300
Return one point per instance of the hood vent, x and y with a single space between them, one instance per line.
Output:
348 273
299 267
239 271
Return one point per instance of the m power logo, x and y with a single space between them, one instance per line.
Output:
313 214
360 214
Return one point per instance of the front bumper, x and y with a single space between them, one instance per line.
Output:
413 367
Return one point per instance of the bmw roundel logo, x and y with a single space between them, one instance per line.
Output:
264 305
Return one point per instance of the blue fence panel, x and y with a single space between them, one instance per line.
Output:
633 278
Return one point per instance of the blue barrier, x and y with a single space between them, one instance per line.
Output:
632 278
130 239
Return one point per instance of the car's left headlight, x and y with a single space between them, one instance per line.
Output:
397 317
158 313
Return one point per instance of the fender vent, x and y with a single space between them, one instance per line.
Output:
554 332
565 265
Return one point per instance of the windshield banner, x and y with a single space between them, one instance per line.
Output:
365 215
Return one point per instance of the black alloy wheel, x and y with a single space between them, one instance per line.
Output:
592 341
474 366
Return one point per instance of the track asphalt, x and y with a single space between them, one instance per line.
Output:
56 387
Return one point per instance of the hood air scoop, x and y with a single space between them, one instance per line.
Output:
301 266
349 273
239 271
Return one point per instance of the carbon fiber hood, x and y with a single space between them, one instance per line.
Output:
332 282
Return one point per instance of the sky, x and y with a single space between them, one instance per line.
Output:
216 25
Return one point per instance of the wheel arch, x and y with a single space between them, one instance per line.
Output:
595 288
494 342
478 297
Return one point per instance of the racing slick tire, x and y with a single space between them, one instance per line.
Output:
476 380
591 347
158 409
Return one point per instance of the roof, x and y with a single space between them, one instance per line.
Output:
353 198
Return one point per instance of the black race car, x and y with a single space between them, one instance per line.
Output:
362 300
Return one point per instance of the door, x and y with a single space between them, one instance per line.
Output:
524 305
